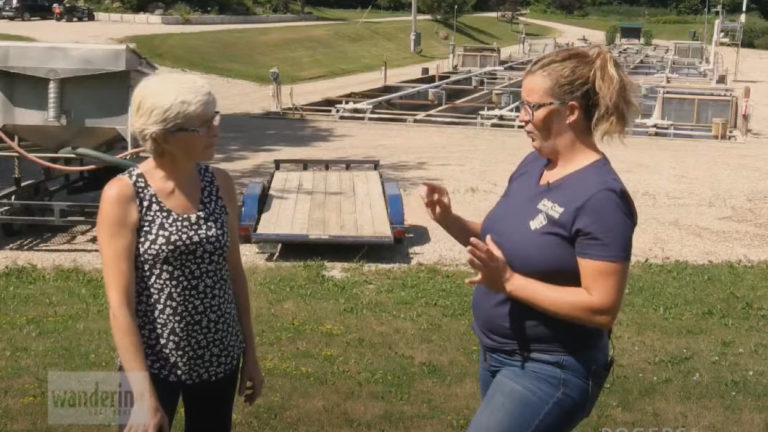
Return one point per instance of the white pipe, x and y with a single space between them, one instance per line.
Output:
715 37
368 105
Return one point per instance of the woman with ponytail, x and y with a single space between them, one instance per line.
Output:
552 256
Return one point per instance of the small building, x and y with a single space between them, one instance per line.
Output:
630 32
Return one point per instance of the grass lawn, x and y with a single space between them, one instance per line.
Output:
321 51
354 14
660 31
10 37
391 349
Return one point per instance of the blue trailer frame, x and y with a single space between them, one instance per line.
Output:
255 198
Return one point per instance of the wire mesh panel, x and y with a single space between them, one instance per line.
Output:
709 109
678 110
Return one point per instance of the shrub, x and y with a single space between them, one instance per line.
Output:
610 34
762 43
627 12
755 29
568 6
647 37
671 19
442 10
152 7
396 5
688 7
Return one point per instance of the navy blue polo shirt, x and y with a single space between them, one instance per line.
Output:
541 229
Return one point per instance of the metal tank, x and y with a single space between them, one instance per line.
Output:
55 95
63 118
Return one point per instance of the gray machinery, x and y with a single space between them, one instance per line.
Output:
64 122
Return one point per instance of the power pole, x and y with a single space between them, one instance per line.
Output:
452 45
742 23
706 26
415 36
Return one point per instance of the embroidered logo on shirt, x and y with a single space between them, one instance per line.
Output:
539 221
547 207
550 208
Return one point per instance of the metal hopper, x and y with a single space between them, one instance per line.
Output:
57 95
61 105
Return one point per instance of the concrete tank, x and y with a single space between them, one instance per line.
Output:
57 95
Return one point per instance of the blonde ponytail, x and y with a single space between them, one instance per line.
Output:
596 81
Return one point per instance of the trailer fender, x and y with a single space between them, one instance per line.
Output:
395 210
251 209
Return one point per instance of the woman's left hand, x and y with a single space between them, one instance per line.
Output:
251 379
492 268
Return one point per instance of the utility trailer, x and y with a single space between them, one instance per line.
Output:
323 201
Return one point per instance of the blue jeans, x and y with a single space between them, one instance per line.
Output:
538 392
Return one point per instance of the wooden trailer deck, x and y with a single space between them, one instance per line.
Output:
325 206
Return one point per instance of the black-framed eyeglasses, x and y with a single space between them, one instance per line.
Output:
529 109
205 129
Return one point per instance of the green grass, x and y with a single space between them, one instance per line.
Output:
391 349
660 31
314 52
354 14
10 37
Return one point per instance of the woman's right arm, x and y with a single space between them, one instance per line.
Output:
438 204
116 226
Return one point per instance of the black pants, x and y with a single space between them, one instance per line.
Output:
207 405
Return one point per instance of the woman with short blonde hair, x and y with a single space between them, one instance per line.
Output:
178 297
552 256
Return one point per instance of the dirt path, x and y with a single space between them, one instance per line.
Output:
569 33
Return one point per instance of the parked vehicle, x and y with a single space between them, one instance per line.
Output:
25 10
71 12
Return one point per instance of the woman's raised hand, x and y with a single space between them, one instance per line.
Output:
436 200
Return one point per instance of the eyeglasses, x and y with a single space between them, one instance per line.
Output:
205 129
528 108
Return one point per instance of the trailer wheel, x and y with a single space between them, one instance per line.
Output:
25 16
68 18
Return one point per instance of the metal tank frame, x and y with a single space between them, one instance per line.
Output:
62 105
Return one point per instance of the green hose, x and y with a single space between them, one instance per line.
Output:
94 154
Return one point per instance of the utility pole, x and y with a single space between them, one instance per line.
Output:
742 23
452 45
415 36
706 26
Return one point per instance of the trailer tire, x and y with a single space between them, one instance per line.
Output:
25 16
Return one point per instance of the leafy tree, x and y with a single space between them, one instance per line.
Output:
688 7
647 36
568 6
442 10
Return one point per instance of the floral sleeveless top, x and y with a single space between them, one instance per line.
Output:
185 307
